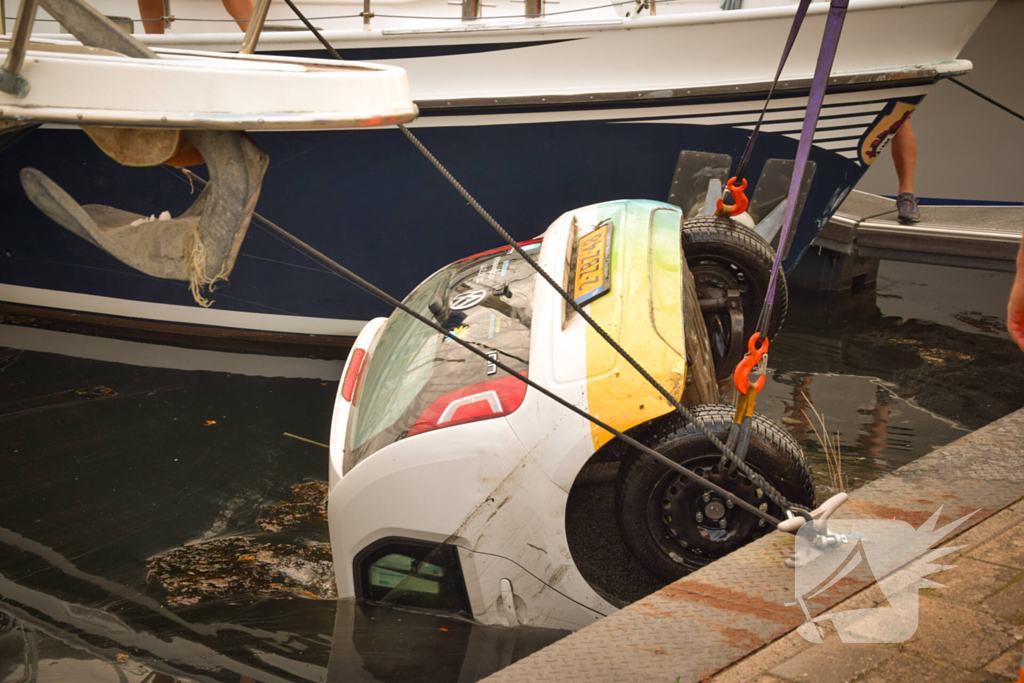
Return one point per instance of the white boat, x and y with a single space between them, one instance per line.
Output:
537 108
145 108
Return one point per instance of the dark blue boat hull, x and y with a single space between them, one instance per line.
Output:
370 200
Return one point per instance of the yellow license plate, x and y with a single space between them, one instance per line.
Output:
593 264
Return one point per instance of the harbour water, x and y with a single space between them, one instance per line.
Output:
117 455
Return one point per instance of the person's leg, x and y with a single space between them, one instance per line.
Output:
240 11
152 9
904 156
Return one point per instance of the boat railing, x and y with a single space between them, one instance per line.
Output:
535 8
255 26
11 80
471 10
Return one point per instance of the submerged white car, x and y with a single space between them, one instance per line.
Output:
450 480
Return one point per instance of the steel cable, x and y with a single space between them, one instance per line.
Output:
987 98
304 20
798 20
391 16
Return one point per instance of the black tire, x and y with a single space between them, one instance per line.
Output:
722 254
657 507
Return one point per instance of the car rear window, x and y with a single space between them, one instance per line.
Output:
486 300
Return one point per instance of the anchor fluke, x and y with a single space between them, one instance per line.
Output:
199 246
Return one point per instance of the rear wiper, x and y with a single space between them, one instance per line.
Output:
501 291
438 301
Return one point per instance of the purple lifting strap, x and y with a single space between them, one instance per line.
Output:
829 43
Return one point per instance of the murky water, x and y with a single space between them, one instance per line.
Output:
897 372
117 455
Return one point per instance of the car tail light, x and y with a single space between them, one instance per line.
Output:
354 367
536 240
483 401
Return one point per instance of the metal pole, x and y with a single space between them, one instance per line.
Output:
255 28
3 19
10 77
470 10
534 9
367 14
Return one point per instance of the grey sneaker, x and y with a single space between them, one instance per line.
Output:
907 205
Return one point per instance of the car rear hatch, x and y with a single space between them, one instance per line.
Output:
417 380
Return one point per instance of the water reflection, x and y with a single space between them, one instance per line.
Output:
896 372
159 522
872 428
114 633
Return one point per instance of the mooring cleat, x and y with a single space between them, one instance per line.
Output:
818 518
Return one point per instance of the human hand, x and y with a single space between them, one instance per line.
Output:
1015 308
1015 311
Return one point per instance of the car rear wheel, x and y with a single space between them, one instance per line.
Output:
674 526
731 266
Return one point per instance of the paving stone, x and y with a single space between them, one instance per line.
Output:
1007 665
904 667
833 661
761 661
793 644
971 581
1008 603
1006 549
959 635
871 596
993 526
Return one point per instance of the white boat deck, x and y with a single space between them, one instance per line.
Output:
72 84
975 236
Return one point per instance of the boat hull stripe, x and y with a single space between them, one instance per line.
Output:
194 315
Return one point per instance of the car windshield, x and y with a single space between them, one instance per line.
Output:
488 300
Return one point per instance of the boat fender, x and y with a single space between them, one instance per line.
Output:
745 219
143 147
